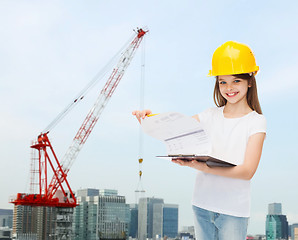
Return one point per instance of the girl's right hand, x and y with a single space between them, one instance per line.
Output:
141 114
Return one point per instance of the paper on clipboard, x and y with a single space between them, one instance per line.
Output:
182 134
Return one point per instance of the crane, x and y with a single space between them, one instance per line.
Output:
47 159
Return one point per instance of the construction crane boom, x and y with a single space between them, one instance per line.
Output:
47 191
102 100
95 112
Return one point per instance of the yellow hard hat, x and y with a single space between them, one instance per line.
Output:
233 58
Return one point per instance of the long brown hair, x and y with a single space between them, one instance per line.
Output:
251 97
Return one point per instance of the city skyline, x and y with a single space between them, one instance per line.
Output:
272 208
51 50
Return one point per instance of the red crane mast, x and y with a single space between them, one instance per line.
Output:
48 195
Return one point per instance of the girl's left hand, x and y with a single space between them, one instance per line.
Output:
193 164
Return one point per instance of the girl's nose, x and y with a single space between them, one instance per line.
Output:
229 87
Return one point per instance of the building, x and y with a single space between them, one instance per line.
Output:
276 227
103 215
5 233
88 192
157 219
133 226
6 216
28 222
187 233
276 223
294 231
170 220
274 209
42 223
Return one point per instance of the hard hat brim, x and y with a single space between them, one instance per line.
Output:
210 74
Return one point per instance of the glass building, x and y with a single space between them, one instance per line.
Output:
157 219
133 228
105 216
170 220
276 223
274 209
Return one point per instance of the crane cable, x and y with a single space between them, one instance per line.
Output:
140 188
99 76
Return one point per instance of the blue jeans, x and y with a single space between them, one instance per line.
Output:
216 226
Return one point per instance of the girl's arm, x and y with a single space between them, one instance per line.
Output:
244 171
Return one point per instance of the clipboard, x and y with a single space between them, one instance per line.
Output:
210 161
185 138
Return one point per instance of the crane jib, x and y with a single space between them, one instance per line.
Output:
102 100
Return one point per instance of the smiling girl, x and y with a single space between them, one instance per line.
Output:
237 129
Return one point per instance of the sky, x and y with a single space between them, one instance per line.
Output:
50 50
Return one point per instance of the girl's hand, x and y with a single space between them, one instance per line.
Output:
193 164
141 114
243 171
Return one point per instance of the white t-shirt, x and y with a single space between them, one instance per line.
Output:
229 137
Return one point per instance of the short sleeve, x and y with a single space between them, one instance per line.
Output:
205 115
258 124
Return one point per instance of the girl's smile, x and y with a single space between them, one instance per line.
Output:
233 94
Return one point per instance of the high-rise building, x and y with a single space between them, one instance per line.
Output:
276 223
42 223
6 216
34 222
88 192
170 220
133 226
155 218
101 216
294 231
274 209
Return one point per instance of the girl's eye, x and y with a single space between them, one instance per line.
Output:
222 82
236 81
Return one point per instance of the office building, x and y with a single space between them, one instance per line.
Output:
42 222
34 222
101 216
133 226
88 192
294 231
6 216
170 220
274 209
157 219
276 223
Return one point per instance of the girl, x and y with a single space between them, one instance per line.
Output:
237 128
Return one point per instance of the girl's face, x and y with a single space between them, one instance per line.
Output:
233 89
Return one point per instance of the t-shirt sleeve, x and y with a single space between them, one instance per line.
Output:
258 125
205 115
